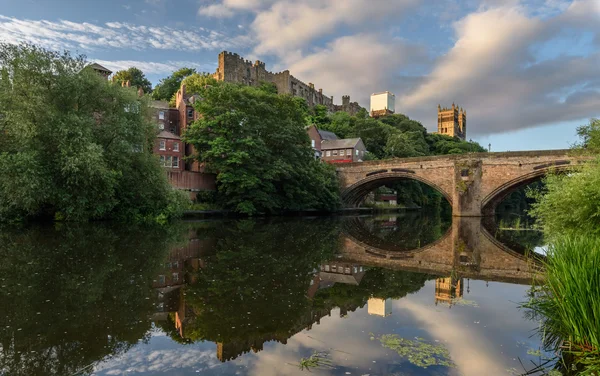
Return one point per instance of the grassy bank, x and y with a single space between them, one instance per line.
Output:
568 303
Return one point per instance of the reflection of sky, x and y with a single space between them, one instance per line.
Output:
485 338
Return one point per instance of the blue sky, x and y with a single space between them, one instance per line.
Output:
526 71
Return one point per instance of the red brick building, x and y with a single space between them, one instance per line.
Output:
315 140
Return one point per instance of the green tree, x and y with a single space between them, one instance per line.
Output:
374 135
257 144
167 87
406 144
74 146
194 84
135 77
570 204
319 116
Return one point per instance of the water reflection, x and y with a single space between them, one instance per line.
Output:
86 294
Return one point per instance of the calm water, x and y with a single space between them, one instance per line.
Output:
402 294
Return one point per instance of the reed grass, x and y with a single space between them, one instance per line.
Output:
568 302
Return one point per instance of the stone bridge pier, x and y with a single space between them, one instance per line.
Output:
473 183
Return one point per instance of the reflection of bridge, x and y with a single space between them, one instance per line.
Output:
473 183
467 249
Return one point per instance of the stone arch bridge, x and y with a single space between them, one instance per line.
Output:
472 183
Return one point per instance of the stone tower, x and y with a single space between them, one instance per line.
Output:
452 121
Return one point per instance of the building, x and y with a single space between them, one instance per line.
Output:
382 104
234 68
379 307
343 151
340 272
447 290
452 121
172 151
315 140
104 72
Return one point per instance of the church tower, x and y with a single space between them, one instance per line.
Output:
452 121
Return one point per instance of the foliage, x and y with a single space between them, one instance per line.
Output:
168 86
568 303
136 78
406 144
194 83
257 143
74 146
589 135
417 351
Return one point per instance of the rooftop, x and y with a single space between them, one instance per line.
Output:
339 144
326 135
168 135
100 68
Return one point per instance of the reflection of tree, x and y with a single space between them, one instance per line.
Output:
402 231
254 288
377 282
74 295
256 283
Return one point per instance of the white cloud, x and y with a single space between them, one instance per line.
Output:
492 72
216 10
357 65
87 36
149 67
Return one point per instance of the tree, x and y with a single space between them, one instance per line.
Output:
406 144
74 146
194 83
570 204
167 87
135 77
257 144
374 135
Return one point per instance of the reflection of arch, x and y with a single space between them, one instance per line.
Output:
489 203
377 247
354 194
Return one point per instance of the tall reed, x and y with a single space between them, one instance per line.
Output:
568 302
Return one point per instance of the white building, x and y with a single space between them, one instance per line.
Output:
383 103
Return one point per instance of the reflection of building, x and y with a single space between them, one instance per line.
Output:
452 122
340 272
380 307
447 290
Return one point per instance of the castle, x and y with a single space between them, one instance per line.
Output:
234 68
452 121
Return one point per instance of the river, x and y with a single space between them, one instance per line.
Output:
411 293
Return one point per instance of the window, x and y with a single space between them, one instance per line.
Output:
176 264
162 145
190 113
168 161
161 115
161 126
162 160
464 172
335 152
175 277
161 279
312 143
176 162
328 153
355 269
349 152
342 152
176 146
357 152
326 268
347 270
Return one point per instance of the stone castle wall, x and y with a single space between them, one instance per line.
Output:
234 68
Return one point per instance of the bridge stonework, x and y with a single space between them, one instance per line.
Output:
472 183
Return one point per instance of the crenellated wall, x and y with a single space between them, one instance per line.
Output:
234 68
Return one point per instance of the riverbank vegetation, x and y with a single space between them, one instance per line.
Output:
568 302
74 146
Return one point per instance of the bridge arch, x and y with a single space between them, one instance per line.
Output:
354 194
495 197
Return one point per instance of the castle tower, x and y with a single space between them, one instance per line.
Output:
452 121
447 290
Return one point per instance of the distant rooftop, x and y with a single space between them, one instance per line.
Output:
326 135
99 68
340 144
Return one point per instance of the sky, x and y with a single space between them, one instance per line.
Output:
526 71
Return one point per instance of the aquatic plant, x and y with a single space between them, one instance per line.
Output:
417 351
568 303
318 359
